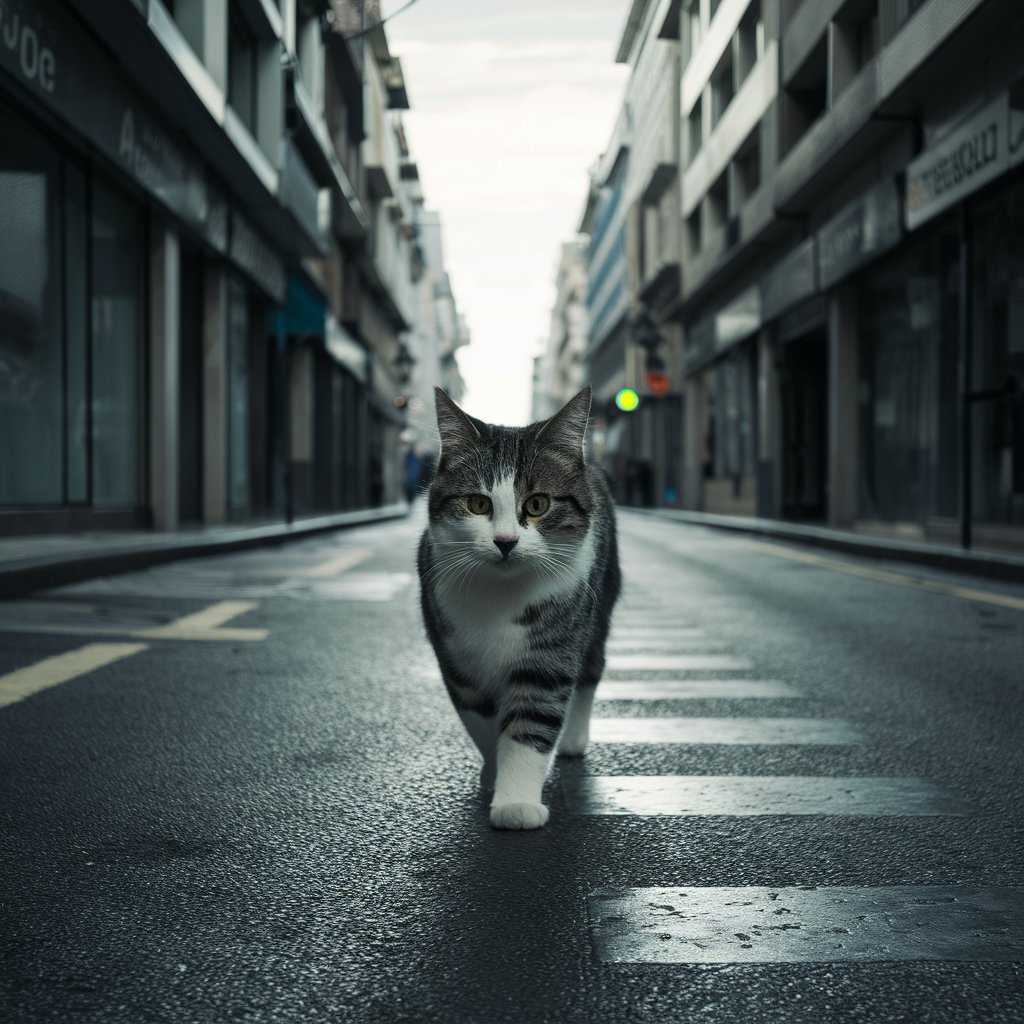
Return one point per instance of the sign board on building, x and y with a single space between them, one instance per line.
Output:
973 154
256 258
713 334
859 233
790 281
738 319
52 56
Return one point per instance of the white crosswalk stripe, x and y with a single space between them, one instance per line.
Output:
757 924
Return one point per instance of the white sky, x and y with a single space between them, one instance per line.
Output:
510 105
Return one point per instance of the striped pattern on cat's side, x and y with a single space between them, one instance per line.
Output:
519 574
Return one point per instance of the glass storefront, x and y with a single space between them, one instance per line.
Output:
908 383
31 319
910 408
998 333
734 396
71 330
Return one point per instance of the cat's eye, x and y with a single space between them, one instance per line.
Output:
478 504
536 505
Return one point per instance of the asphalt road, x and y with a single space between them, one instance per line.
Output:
233 789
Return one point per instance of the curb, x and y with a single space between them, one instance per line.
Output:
1005 568
23 577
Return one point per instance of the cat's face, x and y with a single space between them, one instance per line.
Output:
513 500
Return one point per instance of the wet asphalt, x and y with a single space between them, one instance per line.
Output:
288 829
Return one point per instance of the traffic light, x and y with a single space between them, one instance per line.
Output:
626 399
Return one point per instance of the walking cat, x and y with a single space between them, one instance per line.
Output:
519 573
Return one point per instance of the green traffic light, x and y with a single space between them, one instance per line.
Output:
627 399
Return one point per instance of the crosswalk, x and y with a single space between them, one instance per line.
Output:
655 655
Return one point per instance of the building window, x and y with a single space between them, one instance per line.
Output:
691 29
723 88
749 42
694 132
242 68
865 32
893 15
693 232
718 202
747 168
805 97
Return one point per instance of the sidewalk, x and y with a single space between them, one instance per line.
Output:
39 561
992 564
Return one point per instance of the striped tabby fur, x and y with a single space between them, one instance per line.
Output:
519 573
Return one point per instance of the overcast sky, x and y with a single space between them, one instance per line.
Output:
511 104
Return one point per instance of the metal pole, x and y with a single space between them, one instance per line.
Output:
966 381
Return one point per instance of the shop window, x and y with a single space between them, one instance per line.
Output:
998 365
907 361
238 396
31 363
243 68
76 259
734 412
116 348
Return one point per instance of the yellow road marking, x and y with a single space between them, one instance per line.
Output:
337 565
59 669
203 625
887 576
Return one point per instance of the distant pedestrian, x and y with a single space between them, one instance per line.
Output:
413 475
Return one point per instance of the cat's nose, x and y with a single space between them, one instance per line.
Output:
506 544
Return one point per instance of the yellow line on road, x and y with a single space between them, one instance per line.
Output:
203 625
59 669
337 565
887 576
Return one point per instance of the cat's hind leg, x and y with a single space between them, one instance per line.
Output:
576 733
483 731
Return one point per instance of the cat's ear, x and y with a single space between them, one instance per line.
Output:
454 426
569 425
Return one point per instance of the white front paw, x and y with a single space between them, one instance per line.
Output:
518 815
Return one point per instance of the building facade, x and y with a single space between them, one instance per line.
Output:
850 294
204 284
559 368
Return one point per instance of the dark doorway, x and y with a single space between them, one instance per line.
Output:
190 370
804 383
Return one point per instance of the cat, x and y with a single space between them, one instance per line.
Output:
519 574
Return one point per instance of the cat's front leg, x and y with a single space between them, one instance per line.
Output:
532 716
